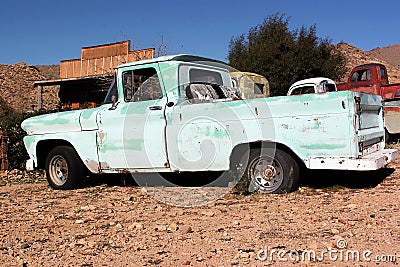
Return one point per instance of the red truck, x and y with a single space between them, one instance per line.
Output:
373 79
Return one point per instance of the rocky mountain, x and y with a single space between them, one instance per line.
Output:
16 86
390 53
51 72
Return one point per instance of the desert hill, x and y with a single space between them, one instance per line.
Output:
16 86
390 53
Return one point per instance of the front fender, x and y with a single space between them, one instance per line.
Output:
84 143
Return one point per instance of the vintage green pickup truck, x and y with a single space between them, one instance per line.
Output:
180 114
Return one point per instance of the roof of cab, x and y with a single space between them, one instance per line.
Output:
179 57
316 80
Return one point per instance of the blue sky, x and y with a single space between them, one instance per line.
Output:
43 32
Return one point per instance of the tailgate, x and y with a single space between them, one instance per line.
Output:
368 122
392 116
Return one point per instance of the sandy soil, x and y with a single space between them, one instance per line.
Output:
335 218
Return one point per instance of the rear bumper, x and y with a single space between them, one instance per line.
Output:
373 161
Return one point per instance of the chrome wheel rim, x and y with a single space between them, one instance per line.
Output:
58 170
266 174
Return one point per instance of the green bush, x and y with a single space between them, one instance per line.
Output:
10 121
285 56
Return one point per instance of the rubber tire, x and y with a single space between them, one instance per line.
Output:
290 179
74 165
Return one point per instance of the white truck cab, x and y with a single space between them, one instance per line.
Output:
312 86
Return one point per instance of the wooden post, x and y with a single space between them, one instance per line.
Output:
3 150
40 100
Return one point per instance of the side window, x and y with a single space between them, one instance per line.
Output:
296 91
383 73
354 77
366 76
303 90
308 90
128 85
205 76
141 85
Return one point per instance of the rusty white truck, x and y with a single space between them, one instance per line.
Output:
180 114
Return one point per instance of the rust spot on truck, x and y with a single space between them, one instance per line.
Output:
104 165
92 165
101 135
392 109
166 165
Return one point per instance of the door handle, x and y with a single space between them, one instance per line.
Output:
155 107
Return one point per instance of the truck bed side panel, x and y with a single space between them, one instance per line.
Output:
315 125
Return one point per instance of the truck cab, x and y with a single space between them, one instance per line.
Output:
312 86
371 78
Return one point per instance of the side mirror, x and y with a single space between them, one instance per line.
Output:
114 103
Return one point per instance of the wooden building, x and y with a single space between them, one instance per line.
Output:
84 82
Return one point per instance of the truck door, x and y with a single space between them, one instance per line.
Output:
132 132
198 135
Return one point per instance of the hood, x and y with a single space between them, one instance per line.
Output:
67 121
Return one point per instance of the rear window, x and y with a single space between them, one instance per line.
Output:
205 76
361 75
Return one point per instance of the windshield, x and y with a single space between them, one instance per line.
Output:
112 91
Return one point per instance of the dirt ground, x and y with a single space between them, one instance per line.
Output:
335 218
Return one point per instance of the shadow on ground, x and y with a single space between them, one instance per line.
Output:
195 179
317 179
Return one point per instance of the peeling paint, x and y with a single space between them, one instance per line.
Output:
101 135
320 146
104 165
92 165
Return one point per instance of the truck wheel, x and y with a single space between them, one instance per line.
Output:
270 171
64 168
